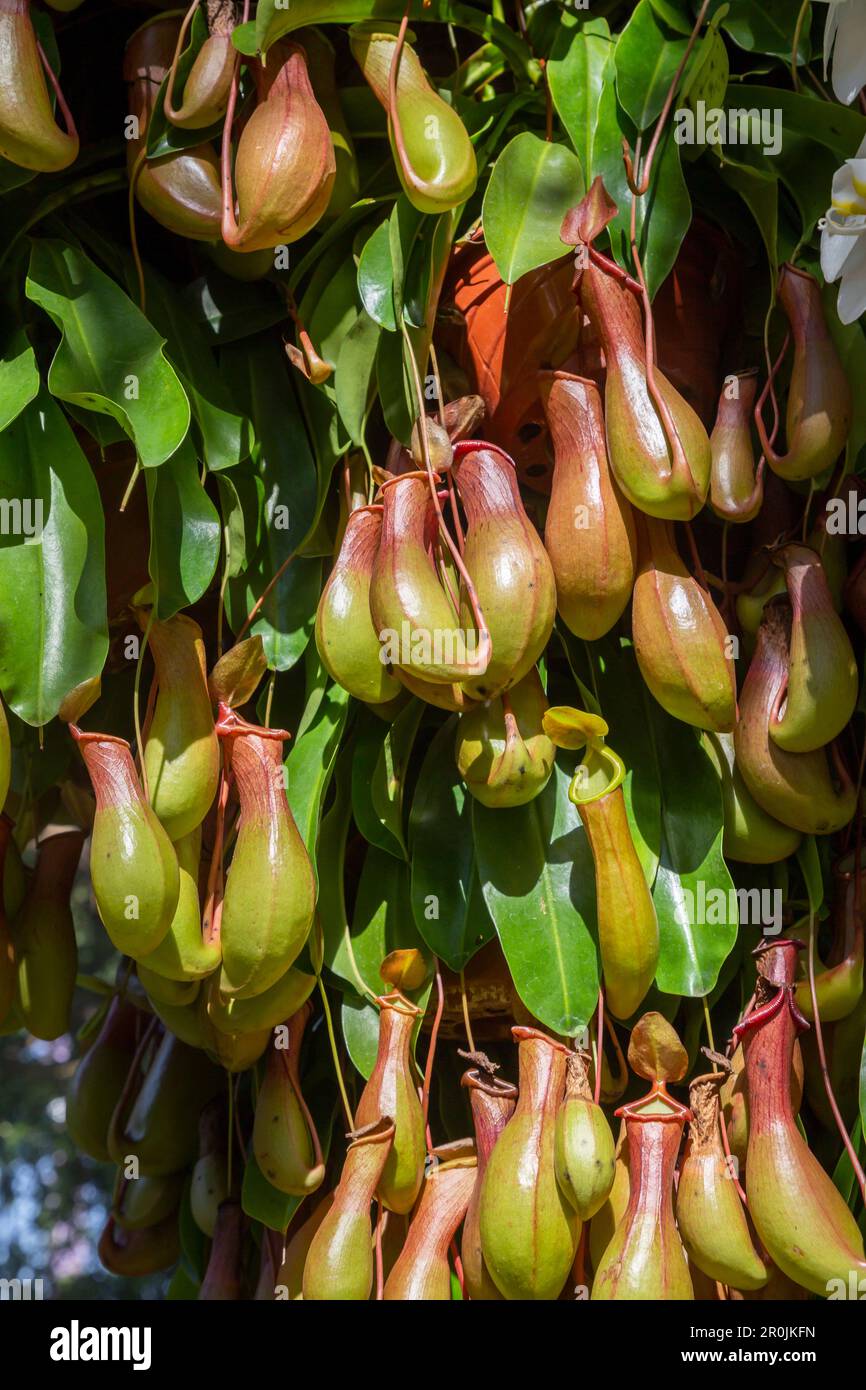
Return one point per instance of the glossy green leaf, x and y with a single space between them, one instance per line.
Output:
264 1202
447 901
577 69
226 435
663 214
287 616
359 1020
53 620
675 14
330 860
260 378
376 278
330 306
275 18
646 59
354 380
384 263
381 922
242 499
810 868
110 360
19 376
310 764
767 26
693 891
382 919
840 128
844 1177
184 533
532 187
851 347
538 880
379 776
227 310
394 386
760 192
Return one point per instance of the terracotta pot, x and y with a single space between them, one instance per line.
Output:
503 352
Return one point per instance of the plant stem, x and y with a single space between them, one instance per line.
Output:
136 714
470 1042
431 1052
825 1071
329 1023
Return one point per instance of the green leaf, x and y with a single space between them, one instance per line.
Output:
354 379
844 1177
110 360
537 876
646 62
264 1202
851 347
394 386
227 310
330 306
184 533
532 187
261 383
578 67
760 193
287 617
384 262
359 1020
862 1088
810 867
382 922
692 880
767 26
447 901
379 776
19 376
241 495
53 620
840 128
310 764
330 863
226 436
275 18
663 214
675 14
376 278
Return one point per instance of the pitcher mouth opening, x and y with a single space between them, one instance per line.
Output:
230 724
87 736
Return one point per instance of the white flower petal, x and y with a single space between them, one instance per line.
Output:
848 195
829 35
852 293
849 52
835 251
846 226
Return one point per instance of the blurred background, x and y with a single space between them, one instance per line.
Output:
53 1199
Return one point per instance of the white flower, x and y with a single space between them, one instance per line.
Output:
843 238
845 38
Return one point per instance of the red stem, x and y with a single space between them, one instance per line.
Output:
68 120
431 1053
